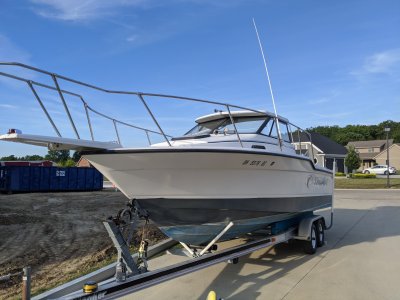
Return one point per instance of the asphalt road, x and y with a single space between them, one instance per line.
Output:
359 261
385 176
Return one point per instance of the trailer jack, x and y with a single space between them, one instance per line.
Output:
121 229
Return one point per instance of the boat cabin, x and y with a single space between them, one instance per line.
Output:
252 129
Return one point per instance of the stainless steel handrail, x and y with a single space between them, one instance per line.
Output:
140 95
299 130
65 106
32 83
44 108
234 126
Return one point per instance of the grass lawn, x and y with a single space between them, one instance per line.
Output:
366 183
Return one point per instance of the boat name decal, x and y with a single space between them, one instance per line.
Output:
256 163
315 180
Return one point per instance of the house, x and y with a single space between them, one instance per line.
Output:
84 163
325 150
394 156
367 150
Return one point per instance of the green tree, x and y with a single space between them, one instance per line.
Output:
344 138
352 161
9 158
343 135
76 156
32 157
58 156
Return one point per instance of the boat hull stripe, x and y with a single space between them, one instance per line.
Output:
168 212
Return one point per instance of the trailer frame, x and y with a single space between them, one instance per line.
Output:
111 289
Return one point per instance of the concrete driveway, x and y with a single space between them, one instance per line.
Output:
360 261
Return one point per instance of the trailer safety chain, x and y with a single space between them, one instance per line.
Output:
142 252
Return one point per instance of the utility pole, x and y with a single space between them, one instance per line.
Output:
387 130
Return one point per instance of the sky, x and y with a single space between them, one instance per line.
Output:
330 62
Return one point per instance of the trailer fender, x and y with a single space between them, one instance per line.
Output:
305 227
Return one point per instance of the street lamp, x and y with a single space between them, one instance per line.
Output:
387 130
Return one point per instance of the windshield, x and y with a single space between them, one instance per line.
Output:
205 128
243 125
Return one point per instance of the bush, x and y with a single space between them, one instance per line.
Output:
360 176
68 163
352 160
339 174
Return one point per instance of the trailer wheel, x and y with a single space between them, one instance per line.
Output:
320 233
310 246
124 218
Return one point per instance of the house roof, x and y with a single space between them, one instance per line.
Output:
367 156
368 144
83 161
327 145
384 151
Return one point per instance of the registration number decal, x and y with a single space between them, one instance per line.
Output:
257 163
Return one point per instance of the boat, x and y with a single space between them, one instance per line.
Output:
238 166
207 178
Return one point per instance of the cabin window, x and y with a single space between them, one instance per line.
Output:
270 130
285 134
205 128
243 125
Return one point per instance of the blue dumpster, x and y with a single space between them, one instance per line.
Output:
49 179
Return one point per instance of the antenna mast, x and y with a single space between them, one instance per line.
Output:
269 84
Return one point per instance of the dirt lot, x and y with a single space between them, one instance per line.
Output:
60 235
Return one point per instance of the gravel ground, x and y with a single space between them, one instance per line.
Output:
57 234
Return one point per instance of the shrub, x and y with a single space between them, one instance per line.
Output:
339 174
352 160
360 176
68 163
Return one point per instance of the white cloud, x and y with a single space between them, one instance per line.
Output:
132 38
82 10
8 106
149 37
382 62
329 97
89 10
318 101
337 115
11 52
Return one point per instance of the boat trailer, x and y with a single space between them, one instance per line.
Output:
132 276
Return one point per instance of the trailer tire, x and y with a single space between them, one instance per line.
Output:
320 233
310 246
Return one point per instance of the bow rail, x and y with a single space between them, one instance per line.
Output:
141 96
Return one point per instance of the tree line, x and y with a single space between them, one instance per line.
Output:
343 135
61 157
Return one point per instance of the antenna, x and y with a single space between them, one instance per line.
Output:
269 84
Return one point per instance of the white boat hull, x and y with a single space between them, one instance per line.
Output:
192 193
210 173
